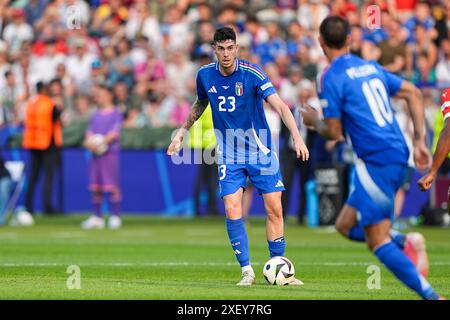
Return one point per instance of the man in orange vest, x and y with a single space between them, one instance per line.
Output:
43 137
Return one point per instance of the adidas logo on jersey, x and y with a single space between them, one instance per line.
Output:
237 251
212 90
279 184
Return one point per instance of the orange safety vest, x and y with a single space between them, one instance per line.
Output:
39 125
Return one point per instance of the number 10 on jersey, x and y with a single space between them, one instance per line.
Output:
227 104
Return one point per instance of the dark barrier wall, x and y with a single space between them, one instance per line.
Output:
152 183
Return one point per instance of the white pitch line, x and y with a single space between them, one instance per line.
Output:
188 264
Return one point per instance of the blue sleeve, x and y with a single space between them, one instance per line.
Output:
201 92
264 87
330 98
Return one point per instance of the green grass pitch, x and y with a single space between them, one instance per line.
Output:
176 258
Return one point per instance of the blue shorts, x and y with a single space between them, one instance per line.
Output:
374 191
266 178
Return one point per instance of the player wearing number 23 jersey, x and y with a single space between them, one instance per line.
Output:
242 132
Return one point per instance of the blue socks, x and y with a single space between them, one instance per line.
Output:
398 238
396 261
239 241
277 247
357 234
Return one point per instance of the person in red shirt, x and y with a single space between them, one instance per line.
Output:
443 146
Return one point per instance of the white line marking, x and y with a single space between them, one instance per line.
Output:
189 264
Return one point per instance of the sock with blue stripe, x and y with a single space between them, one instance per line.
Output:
396 261
277 247
239 241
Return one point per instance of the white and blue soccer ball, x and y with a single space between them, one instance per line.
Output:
279 271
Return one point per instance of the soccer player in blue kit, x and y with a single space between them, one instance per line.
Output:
355 97
235 90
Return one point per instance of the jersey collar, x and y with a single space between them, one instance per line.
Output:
236 68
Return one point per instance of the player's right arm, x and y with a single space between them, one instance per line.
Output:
405 89
197 110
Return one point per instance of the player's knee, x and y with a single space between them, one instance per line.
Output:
233 210
274 211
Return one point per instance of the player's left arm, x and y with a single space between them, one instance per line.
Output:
286 115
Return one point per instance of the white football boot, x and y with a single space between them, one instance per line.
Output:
93 222
248 278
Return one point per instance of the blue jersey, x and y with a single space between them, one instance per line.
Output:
237 109
358 93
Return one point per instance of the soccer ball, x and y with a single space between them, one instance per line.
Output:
23 219
279 271
99 141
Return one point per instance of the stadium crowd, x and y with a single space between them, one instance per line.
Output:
148 53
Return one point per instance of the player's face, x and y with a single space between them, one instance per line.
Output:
226 52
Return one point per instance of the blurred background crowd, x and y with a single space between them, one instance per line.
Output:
148 52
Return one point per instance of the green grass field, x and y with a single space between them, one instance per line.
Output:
173 258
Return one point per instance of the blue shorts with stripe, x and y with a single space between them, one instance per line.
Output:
265 177
374 189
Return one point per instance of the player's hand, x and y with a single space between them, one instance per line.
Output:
175 145
309 115
422 156
426 181
300 149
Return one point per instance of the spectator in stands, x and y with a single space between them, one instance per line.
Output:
443 66
121 97
311 13
275 47
391 53
422 54
181 73
422 16
142 23
104 164
18 31
79 64
43 137
11 96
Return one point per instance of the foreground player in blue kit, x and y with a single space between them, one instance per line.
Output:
236 90
355 97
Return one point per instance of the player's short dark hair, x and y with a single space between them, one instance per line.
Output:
334 31
224 34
